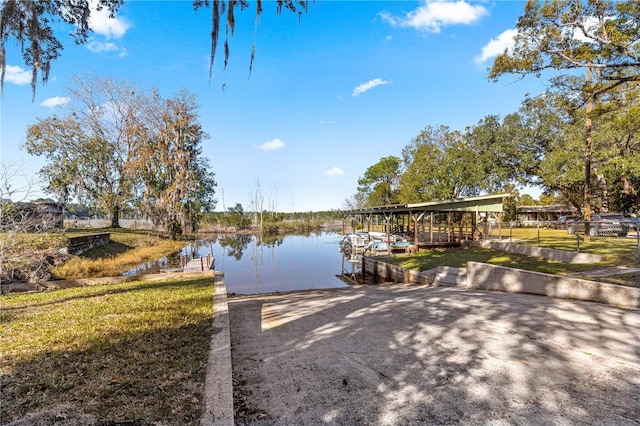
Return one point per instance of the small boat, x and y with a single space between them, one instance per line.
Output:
353 242
372 242
376 246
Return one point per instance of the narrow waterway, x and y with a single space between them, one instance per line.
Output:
272 263
278 263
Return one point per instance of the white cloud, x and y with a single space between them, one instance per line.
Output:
17 75
431 16
102 47
102 24
271 145
497 45
99 47
321 122
55 101
364 87
334 171
106 28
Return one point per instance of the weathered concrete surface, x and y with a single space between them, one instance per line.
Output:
483 276
546 253
218 388
400 354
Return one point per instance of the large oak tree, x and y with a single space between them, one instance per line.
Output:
379 184
598 37
441 163
91 148
549 133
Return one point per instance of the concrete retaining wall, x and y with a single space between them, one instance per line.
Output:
482 276
441 275
449 276
498 278
218 387
385 272
78 245
546 253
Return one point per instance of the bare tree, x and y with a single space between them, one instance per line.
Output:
257 204
30 232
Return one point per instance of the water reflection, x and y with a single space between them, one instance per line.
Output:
163 264
253 264
235 246
278 262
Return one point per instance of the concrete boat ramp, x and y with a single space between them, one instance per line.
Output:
419 355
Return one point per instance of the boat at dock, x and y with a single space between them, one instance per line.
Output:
372 242
353 242
382 236
377 246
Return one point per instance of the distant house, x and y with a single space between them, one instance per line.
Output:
39 215
526 214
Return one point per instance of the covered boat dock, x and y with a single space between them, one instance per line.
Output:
433 223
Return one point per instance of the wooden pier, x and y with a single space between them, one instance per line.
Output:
199 264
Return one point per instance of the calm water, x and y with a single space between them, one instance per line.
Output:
275 263
278 263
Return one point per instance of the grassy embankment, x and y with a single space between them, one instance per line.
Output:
615 252
130 353
127 249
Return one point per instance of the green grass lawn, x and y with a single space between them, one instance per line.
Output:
615 252
131 353
632 279
459 257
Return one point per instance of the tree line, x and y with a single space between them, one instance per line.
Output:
270 221
578 140
115 146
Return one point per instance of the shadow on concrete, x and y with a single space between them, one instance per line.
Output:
389 355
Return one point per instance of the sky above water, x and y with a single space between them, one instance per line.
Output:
330 93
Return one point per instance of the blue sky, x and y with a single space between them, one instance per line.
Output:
329 95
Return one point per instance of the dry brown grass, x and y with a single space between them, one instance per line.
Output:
126 250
